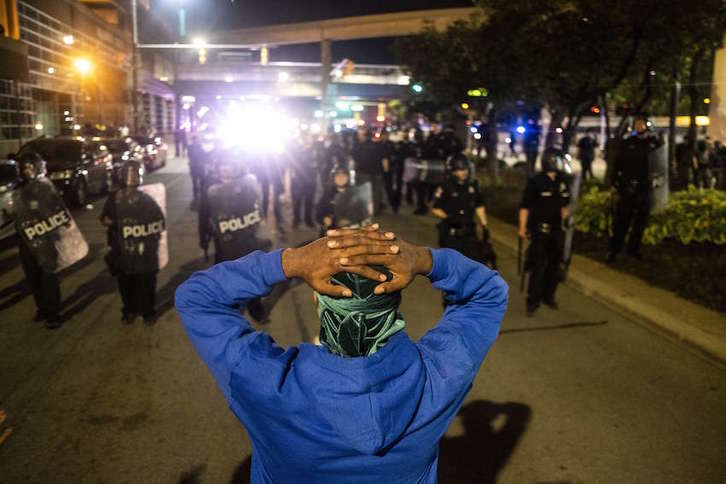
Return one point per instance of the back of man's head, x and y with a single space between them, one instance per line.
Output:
359 325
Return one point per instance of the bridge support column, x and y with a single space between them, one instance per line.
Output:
325 62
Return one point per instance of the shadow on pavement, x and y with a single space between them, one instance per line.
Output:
9 263
13 294
165 295
491 433
103 283
578 324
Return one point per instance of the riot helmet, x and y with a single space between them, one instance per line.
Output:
459 166
131 174
553 160
32 166
229 166
340 176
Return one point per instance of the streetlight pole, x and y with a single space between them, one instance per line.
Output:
134 67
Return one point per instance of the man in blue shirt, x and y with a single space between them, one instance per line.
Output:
368 405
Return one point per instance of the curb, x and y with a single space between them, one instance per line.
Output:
663 311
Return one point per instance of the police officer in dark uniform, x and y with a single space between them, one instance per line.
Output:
303 181
44 284
234 216
339 181
197 164
631 179
544 208
133 258
460 205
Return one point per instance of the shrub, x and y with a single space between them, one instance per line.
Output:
691 215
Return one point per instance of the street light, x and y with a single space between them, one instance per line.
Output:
83 66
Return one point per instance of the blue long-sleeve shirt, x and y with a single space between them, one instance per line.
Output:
316 417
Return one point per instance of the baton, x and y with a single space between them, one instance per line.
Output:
519 256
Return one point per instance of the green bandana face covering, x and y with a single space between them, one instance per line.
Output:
359 325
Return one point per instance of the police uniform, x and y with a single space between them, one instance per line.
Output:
44 285
458 231
544 198
48 238
459 201
137 287
303 185
631 179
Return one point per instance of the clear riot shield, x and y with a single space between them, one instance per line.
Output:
658 176
141 229
354 206
570 224
46 226
236 217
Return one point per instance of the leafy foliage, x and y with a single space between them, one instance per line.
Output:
691 216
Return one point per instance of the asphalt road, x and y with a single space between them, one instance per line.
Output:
577 395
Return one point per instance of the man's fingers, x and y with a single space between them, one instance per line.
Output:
333 290
343 232
360 238
367 272
397 284
348 237
370 248
365 259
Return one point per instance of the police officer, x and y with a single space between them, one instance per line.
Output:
631 179
544 208
339 181
586 152
197 163
44 284
370 165
303 181
460 205
135 224
234 216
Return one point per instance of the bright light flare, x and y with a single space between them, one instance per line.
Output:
83 65
520 129
68 39
257 129
283 76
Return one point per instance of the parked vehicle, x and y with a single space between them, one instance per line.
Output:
9 182
154 151
77 167
123 150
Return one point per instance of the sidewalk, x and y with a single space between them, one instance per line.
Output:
662 310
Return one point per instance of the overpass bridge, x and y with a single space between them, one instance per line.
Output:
237 61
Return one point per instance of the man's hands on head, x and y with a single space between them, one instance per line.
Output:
353 250
318 261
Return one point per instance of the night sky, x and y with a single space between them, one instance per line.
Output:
209 15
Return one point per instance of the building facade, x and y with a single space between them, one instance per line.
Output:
79 59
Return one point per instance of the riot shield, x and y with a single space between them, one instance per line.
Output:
141 229
46 226
354 206
658 176
429 171
235 217
570 225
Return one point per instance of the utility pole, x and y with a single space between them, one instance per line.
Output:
135 68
